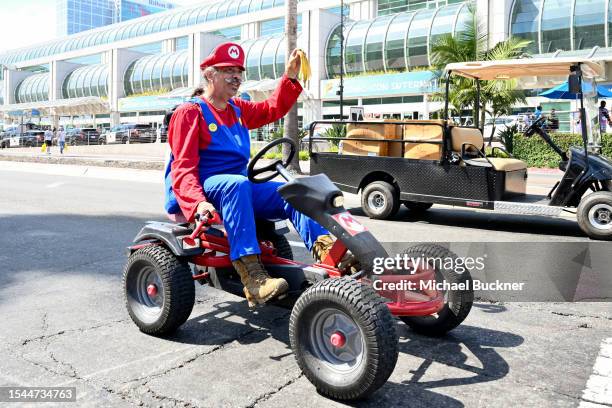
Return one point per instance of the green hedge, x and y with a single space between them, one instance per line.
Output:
536 153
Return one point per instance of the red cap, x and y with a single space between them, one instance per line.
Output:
225 55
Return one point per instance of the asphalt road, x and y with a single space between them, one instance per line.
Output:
64 322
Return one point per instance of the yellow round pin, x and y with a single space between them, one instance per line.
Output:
212 127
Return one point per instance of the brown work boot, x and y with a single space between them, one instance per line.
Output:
321 248
259 287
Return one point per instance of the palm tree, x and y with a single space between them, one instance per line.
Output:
291 120
470 44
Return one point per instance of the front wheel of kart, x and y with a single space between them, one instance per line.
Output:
380 200
457 303
595 215
344 338
159 290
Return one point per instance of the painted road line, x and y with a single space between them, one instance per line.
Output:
599 386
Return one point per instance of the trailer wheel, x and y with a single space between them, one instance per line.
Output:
595 215
380 200
344 338
457 303
159 290
417 207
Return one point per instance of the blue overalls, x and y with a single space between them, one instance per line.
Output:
223 173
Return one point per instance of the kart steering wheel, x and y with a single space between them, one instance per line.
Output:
252 172
535 125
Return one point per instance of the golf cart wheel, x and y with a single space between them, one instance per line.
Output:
380 200
159 290
416 206
344 339
595 215
457 303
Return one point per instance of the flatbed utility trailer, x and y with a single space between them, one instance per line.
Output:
419 163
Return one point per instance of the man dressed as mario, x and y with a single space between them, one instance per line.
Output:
209 139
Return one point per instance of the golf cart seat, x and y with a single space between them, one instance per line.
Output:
469 140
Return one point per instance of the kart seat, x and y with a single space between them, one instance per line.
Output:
473 139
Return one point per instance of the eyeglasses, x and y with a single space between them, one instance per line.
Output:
230 71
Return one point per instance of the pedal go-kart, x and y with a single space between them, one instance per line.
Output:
341 330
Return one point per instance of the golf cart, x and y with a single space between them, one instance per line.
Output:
419 163
341 327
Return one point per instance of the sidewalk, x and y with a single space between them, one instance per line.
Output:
148 156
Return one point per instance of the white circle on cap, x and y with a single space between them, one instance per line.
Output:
233 52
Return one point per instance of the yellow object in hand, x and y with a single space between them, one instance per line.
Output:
305 71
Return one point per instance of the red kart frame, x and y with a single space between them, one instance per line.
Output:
400 302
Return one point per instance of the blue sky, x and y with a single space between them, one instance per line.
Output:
27 22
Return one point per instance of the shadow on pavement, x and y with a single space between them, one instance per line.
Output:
42 245
490 221
457 350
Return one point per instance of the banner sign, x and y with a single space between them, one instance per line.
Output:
405 83
148 103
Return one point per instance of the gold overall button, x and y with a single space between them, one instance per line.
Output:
212 127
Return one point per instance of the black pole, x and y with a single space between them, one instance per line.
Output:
448 75
477 118
583 117
341 87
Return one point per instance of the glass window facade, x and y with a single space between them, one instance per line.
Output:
353 51
375 38
565 25
231 33
393 43
265 57
143 25
556 23
276 26
398 6
91 80
157 73
589 24
34 88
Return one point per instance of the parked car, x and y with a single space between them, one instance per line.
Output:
83 136
31 138
501 123
132 133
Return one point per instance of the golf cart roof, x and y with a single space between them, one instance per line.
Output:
507 69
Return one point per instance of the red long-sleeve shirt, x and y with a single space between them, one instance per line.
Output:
188 134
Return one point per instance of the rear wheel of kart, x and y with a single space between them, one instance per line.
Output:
380 200
457 303
595 215
417 207
344 338
124 139
159 290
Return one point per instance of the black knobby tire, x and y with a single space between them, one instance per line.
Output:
417 207
380 200
164 313
593 211
283 248
356 305
457 303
